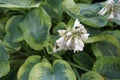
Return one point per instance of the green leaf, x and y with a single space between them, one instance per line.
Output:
2 31
71 8
60 70
116 21
105 48
84 61
86 1
35 28
19 3
49 48
54 9
11 75
89 16
109 67
91 75
13 30
95 38
25 69
4 68
109 47
13 35
113 37
4 56
60 26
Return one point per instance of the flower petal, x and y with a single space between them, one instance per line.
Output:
69 42
76 23
111 16
103 11
60 41
78 46
62 32
84 37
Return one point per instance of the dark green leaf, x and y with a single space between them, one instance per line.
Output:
13 35
54 9
109 67
13 30
4 68
35 28
83 60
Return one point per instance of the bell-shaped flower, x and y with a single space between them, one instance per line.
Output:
112 8
111 16
84 37
72 39
109 4
78 45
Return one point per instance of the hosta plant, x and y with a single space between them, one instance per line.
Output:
59 40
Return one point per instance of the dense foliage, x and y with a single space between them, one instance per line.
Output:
28 33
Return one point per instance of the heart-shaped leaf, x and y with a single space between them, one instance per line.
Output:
4 68
60 70
35 28
109 67
25 69
91 75
12 29
13 35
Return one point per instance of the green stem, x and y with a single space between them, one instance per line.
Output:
16 61
77 74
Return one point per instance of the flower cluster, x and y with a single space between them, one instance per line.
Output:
112 8
72 39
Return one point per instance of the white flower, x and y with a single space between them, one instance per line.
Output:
61 42
103 11
84 37
112 8
69 42
108 7
111 16
72 39
78 45
77 24
62 32
68 34
55 49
